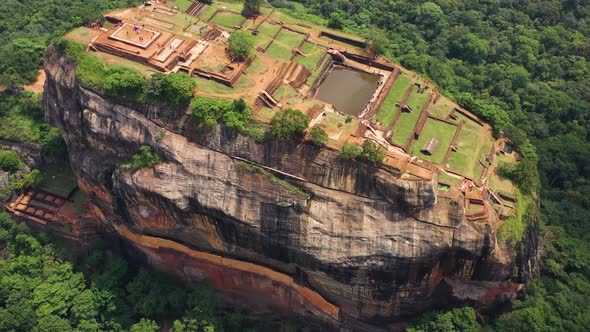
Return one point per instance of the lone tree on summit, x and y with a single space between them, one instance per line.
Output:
241 45
251 8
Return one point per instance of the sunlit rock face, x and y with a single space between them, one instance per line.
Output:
353 240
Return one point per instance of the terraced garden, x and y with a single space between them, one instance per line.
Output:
404 126
442 132
396 94
471 147
227 19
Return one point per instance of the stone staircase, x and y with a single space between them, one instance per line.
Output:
196 8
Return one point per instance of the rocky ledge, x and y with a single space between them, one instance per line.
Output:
311 234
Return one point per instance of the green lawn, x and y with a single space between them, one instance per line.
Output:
452 180
417 100
289 39
310 61
395 95
470 148
407 121
197 27
268 29
309 48
256 66
81 35
277 15
235 6
287 91
499 184
333 122
181 4
279 52
442 108
210 86
244 82
207 13
261 40
227 19
313 52
442 132
404 127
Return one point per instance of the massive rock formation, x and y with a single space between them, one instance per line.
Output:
311 233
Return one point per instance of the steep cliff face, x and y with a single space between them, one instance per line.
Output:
343 238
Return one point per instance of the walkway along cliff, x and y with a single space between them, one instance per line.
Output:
352 240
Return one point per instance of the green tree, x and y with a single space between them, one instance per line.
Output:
10 161
373 152
145 325
144 158
241 45
468 46
337 20
32 179
287 123
251 8
376 40
458 319
318 135
351 151
124 82
52 323
431 18
174 89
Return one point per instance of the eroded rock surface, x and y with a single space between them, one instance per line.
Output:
367 243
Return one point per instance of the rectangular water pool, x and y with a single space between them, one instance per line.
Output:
347 89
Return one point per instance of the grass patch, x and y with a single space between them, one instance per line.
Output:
442 108
333 120
81 35
279 52
471 145
244 82
265 114
235 6
289 38
181 4
268 29
261 40
404 127
407 121
417 100
446 178
334 124
285 91
227 19
276 180
210 86
277 15
310 61
309 48
513 228
395 95
442 132
501 185
208 12
280 92
256 66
